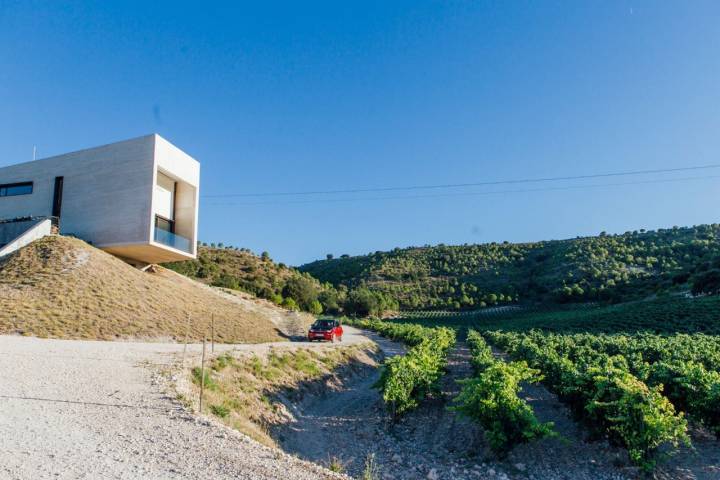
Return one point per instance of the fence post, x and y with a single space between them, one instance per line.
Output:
187 331
212 332
202 374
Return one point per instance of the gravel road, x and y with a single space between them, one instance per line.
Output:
95 410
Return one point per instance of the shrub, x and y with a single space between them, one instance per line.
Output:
197 376
220 410
290 304
491 399
315 308
406 380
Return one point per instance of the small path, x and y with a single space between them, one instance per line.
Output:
433 442
353 423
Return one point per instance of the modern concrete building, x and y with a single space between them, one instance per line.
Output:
137 199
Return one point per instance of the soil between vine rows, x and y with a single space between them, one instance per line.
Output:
433 442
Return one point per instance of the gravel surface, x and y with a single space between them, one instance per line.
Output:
434 443
96 410
100 410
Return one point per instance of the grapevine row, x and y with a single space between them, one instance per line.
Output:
491 399
685 365
600 389
406 380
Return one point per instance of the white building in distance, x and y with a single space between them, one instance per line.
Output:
137 199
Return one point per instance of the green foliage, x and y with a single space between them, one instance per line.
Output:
303 289
315 307
290 304
606 268
481 354
364 302
706 282
220 410
666 315
640 417
239 269
491 399
684 366
331 300
595 376
226 281
197 377
406 380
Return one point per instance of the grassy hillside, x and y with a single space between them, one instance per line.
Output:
240 269
605 268
64 288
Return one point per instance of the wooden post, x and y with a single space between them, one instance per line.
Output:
212 332
187 331
202 374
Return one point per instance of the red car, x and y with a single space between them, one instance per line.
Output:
326 330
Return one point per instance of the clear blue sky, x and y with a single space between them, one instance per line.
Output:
288 96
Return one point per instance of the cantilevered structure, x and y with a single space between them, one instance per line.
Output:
137 199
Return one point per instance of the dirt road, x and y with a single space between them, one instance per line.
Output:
82 409
429 442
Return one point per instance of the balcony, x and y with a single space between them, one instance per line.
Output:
171 240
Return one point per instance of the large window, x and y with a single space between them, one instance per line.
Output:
165 197
12 189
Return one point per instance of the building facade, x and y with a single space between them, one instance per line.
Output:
137 199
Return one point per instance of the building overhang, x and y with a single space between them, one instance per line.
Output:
148 252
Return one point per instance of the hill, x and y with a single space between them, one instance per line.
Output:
240 269
605 268
64 288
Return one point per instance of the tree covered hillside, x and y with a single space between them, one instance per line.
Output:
610 268
240 269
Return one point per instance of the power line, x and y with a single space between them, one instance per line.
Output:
465 185
468 194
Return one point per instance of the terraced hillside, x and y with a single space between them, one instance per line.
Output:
605 268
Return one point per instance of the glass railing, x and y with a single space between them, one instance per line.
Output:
172 240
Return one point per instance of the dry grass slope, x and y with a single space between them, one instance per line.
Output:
61 287
250 392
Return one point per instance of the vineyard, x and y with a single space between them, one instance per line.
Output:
406 380
491 398
630 378
605 392
661 316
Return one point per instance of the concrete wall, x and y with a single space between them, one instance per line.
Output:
185 170
106 192
16 235
9 231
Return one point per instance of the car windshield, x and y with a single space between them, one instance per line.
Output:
323 324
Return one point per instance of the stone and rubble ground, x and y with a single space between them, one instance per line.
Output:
88 409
